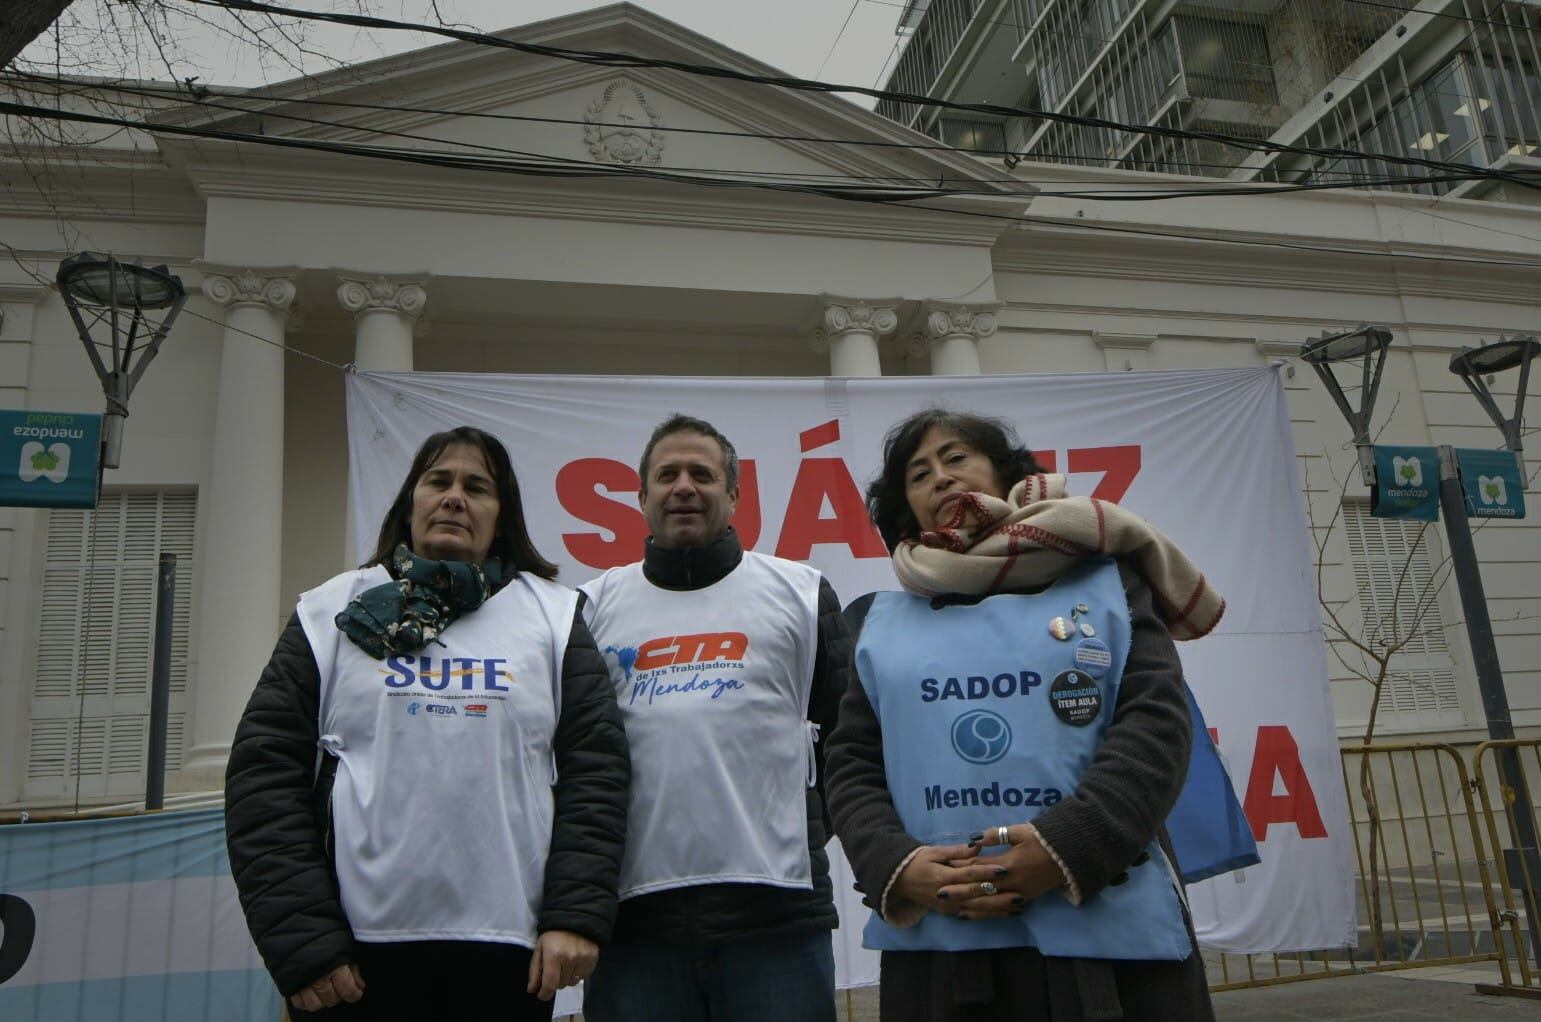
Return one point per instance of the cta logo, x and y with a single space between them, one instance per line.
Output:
690 649
1408 471
476 709
980 736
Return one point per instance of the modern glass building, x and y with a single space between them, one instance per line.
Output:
1452 80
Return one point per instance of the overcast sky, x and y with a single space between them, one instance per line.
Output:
796 36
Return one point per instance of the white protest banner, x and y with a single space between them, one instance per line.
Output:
1207 456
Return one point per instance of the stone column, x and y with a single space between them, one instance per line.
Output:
385 311
952 333
238 600
850 331
385 315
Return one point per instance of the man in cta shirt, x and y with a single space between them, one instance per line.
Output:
729 665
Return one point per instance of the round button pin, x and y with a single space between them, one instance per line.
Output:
1075 698
1093 656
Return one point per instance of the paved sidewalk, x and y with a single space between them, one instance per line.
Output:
1433 993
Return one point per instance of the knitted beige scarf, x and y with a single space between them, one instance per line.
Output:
989 545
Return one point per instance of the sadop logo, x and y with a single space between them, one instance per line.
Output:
51 463
980 736
1493 490
1408 471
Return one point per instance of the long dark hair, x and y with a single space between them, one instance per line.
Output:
511 540
888 503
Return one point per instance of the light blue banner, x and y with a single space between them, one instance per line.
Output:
126 919
49 459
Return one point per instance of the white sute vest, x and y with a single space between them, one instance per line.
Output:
442 807
713 686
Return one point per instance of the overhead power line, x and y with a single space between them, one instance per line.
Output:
548 167
603 58
1117 194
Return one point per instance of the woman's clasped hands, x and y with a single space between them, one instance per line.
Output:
962 881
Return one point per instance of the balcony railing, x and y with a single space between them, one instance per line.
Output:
927 53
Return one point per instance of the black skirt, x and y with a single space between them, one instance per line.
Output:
1021 985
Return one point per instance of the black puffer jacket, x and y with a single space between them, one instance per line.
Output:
713 913
277 824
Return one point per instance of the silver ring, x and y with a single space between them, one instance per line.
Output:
987 888
1002 836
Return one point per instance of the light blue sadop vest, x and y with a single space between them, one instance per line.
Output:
989 718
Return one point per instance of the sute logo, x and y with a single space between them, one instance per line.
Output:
690 649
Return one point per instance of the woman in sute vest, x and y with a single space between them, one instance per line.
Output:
426 795
1018 733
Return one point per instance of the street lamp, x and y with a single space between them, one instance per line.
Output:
117 294
1472 364
1367 346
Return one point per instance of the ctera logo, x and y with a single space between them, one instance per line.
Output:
1493 490
440 709
980 736
1408 471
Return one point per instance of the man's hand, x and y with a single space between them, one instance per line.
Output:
561 959
343 983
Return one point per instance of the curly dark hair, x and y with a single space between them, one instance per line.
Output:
888 503
511 543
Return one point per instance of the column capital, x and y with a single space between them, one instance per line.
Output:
876 317
272 287
405 295
974 320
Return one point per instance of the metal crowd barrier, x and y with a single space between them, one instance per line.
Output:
1423 874
1504 768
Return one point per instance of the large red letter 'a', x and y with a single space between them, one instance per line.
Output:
1277 755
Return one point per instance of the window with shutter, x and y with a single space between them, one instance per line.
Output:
1421 678
90 707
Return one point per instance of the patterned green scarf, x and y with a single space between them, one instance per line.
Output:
422 599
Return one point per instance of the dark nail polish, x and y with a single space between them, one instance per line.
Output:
1001 871
943 895
964 916
976 838
1019 902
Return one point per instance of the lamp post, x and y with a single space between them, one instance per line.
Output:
1472 364
1366 345
118 296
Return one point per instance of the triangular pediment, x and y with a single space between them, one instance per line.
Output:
481 102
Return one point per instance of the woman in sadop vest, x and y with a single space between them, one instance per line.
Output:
1000 776
426 795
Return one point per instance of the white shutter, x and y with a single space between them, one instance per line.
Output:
89 722
1421 676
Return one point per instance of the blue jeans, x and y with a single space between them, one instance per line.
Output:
791 980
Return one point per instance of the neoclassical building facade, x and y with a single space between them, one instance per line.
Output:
308 261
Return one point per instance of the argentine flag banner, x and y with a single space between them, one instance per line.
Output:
126 920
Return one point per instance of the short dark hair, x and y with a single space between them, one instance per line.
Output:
511 541
681 423
888 502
